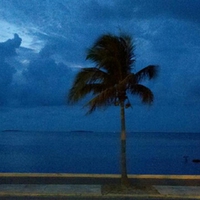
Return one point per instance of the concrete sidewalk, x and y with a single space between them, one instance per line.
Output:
82 187
61 190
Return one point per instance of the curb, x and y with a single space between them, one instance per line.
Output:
62 178
142 196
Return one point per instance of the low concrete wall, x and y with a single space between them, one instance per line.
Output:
60 178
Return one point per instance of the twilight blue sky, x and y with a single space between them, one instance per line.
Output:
37 73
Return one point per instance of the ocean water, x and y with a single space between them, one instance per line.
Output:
91 152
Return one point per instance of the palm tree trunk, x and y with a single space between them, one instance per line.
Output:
124 177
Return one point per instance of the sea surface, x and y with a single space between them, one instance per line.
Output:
96 152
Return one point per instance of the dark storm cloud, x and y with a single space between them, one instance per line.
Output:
6 76
80 23
66 49
46 82
35 78
142 9
119 11
166 33
94 11
47 51
7 50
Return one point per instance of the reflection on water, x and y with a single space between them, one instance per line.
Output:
88 152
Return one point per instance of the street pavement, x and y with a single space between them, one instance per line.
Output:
80 191
21 186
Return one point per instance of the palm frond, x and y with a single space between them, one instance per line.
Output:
145 93
129 81
89 75
111 79
113 54
103 99
128 48
86 81
77 93
148 72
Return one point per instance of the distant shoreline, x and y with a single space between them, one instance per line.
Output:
90 131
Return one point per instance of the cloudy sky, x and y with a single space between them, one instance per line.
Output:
43 45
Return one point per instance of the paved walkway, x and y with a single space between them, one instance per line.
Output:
14 186
39 190
50 189
179 190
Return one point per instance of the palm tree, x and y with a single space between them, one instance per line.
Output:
112 80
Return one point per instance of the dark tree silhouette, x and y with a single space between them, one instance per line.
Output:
112 80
